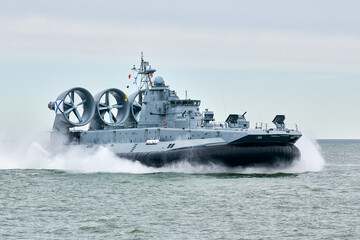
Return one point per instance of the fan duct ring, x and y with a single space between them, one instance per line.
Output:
78 106
136 103
111 107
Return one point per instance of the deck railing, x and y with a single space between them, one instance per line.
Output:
264 126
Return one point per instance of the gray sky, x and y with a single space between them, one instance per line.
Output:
298 58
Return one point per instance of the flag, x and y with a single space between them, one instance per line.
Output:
59 104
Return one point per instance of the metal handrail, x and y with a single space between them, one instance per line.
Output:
261 125
264 126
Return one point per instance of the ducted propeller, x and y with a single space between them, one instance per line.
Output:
111 108
74 108
136 102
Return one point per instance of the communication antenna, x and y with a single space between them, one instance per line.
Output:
145 73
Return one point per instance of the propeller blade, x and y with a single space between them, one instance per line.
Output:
110 117
72 96
67 104
140 97
107 98
82 102
77 115
102 114
137 115
68 111
117 106
136 109
114 118
136 104
103 108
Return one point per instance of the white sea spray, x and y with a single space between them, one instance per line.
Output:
36 153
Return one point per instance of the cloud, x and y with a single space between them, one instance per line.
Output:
310 52
48 38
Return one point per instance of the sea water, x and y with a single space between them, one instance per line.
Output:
85 194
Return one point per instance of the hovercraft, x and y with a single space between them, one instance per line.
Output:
157 128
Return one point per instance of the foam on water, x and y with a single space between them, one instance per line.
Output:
33 154
311 158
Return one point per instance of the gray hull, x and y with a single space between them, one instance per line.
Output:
230 148
268 155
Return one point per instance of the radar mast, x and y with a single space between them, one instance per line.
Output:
145 72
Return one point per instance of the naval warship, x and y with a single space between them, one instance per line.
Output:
155 127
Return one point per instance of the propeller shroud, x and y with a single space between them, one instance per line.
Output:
111 108
136 101
78 107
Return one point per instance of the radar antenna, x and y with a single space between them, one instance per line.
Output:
145 72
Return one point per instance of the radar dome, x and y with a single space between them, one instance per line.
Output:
159 82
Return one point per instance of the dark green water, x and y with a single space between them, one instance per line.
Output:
175 203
